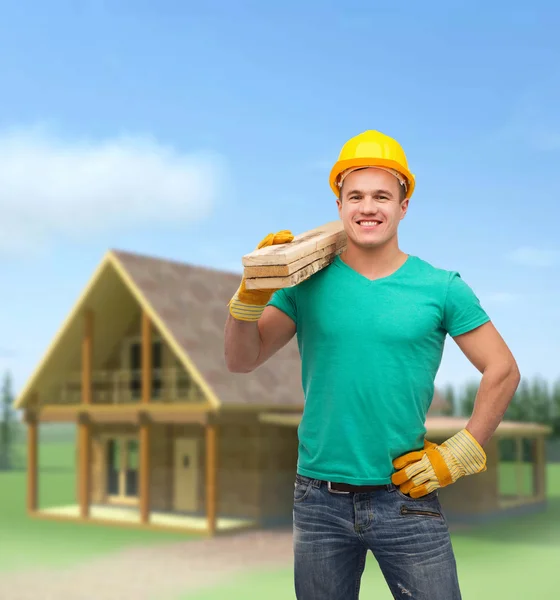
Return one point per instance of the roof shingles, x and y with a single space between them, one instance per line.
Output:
192 302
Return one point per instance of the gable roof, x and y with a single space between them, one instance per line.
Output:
191 304
188 304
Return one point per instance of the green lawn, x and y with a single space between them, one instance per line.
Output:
517 559
25 542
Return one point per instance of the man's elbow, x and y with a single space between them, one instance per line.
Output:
237 367
509 371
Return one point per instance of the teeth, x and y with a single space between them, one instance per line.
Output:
369 223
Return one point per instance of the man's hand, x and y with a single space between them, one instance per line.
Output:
248 305
423 471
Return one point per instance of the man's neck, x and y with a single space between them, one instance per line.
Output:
374 263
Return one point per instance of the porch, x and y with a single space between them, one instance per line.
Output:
130 516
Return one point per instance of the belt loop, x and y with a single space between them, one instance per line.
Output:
316 483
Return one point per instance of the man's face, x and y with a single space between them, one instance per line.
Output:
371 207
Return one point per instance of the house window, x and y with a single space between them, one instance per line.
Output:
122 463
135 365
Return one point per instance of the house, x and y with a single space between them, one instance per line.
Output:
166 435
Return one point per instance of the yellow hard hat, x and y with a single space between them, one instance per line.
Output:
371 149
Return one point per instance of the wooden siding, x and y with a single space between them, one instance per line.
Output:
278 470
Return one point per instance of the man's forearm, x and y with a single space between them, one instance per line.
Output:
496 390
242 344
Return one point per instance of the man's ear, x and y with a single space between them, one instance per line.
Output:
404 207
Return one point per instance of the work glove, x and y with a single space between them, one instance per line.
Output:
436 466
248 305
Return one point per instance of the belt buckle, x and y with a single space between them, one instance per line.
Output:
329 487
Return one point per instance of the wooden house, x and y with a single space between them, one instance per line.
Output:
166 435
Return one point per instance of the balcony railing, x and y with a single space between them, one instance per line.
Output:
124 386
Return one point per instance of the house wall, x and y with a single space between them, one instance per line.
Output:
238 486
255 470
161 467
278 469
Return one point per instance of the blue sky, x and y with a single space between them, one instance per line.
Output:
190 133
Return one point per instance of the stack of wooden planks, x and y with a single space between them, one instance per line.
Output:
285 265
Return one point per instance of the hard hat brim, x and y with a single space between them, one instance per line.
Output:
342 165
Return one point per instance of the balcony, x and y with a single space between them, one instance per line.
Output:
124 387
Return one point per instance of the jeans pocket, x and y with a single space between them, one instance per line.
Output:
302 486
428 505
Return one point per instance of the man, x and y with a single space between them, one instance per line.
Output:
371 329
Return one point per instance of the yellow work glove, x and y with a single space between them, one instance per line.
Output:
423 471
248 305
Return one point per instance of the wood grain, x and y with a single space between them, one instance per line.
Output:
264 283
301 246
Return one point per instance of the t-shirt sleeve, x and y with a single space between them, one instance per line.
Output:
285 300
462 311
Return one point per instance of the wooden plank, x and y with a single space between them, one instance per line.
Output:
211 477
301 246
32 455
58 414
87 357
263 283
280 270
146 358
122 416
178 416
84 469
539 467
145 442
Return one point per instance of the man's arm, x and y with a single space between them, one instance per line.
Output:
248 344
487 351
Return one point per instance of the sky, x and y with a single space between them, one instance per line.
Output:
190 132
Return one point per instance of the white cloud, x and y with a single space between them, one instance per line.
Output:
535 257
52 188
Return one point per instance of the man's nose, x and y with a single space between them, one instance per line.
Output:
369 205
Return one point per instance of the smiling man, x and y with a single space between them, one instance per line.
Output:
371 329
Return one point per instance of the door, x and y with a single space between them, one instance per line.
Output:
186 475
121 468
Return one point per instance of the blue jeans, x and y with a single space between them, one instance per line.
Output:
408 537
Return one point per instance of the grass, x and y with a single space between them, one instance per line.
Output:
28 542
516 559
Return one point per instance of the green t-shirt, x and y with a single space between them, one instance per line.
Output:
370 352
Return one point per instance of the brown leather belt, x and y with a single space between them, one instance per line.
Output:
346 488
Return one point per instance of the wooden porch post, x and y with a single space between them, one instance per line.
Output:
539 467
32 454
144 423
211 476
84 466
87 355
84 427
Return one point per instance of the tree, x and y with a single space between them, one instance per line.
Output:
449 395
467 399
7 426
555 410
